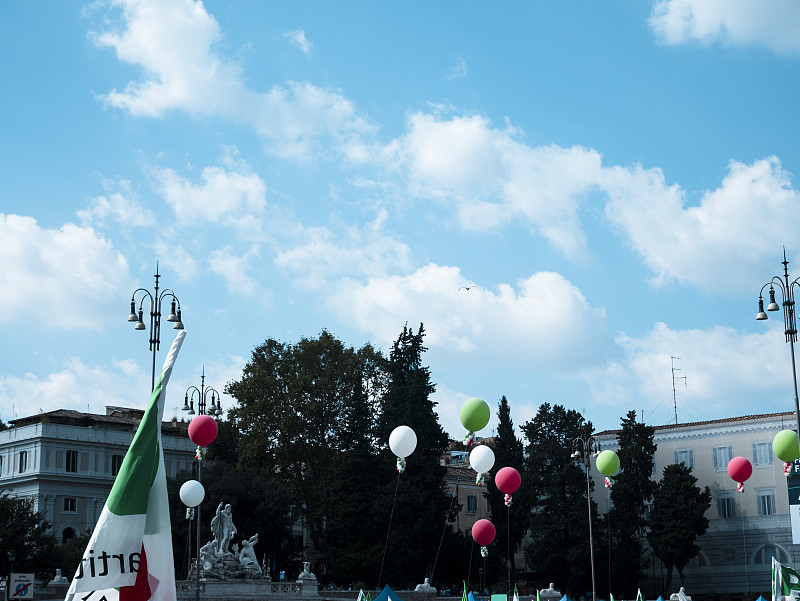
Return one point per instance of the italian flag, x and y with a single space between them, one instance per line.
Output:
785 582
129 557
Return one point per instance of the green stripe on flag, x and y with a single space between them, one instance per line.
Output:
131 489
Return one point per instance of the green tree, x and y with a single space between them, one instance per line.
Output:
508 452
677 518
559 547
632 489
418 494
300 407
25 532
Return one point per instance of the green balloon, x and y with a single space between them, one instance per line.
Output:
786 446
607 463
474 414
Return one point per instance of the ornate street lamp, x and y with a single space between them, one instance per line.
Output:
156 300
215 409
584 449
786 288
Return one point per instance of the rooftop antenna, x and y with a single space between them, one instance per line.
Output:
674 396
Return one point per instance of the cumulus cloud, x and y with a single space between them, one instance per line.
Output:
56 273
173 42
120 205
771 23
543 320
703 245
76 386
321 254
234 269
298 39
492 179
231 196
726 371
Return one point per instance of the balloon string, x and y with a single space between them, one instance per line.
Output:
391 515
449 509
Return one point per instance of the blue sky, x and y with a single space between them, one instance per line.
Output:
614 182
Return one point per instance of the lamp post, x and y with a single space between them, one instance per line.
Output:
786 288
215 410
156 300
12 555
584 448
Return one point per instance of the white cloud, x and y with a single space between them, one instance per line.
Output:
77 386
173 43
234 198
56 274
120 205
321 255
727 373
298 39
703 245
176 258
771 23
234 269
493 179
457 71
545 320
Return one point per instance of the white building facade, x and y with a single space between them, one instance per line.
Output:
65 461
746 530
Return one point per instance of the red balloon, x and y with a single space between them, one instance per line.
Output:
203 430
740 469
507 480
483 532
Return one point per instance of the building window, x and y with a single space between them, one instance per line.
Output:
488 508
685 456
23 461
765 498
67 535
72 461
722 456
726 507
116 464
70 505
472 504
766 553
1 465
762 453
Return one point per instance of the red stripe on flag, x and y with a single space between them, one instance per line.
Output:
140 591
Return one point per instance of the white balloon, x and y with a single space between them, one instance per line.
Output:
192 493
481 459
402 441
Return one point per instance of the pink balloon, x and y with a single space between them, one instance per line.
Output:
203 430
483 532
507 480
740 469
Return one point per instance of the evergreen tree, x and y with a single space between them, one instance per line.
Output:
677 518
632 489
418 494
559 529
508 452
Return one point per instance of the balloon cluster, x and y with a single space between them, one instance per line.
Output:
202 432
474 416
740 469
481 459
402 442
785 445
483 533
508 481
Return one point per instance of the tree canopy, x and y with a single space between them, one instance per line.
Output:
677 518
